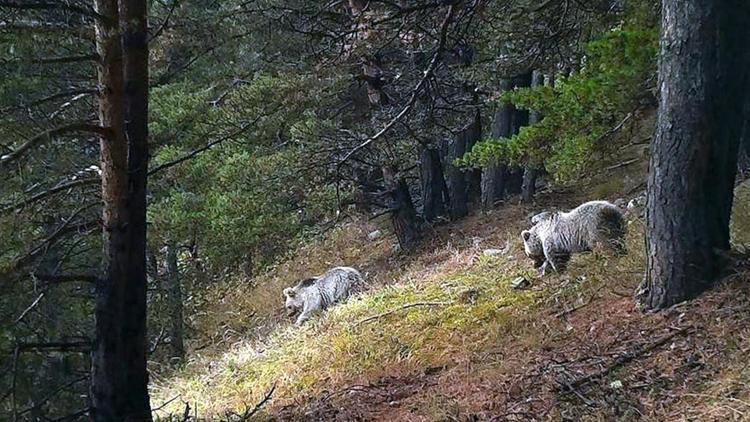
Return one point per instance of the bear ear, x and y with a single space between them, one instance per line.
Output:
526 234
308 282
289 292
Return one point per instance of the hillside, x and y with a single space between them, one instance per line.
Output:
181 177
440 334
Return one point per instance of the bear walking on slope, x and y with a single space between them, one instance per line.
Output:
555 236
320 292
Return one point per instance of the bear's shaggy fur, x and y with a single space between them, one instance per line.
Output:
313 294
556 235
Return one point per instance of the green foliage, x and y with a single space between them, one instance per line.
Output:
580 111
243 200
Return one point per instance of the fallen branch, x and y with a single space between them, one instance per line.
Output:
623 164
248 413
407 306
623 359
566 312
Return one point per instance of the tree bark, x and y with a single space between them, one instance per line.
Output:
134 33
458 180
434 188
403 214
494 175
119 376
107 372
474 176
174 302
743 159
703 79
530 172
528 185
518 119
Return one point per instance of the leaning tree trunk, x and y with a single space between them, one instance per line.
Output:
174 304
433 184
703 84
401 206
530 172
119 377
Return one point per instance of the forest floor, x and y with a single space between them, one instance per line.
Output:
440 334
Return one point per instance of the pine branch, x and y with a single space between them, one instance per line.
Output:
48 135
51 191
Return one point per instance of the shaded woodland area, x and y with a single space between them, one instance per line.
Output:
152 150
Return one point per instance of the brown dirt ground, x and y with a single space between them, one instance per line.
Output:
597 358
600 360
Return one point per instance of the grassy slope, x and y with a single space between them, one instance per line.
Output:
573 347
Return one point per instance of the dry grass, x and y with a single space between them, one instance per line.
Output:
488 352
335 350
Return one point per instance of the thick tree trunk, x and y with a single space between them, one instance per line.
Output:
458 180
518 119
703 81
434 189
107 372
403 214
528 185
134 30
491 177
743 159
474 176
119 376
530 172
174 302
494 175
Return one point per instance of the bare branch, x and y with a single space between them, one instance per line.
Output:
415 92
66 278
27 310
55 346
48 135
248 413
74 92
407 306
242 129
47 5
49 192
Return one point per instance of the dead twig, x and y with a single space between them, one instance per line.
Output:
407 306
569 311
248 413
623 164
623 359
